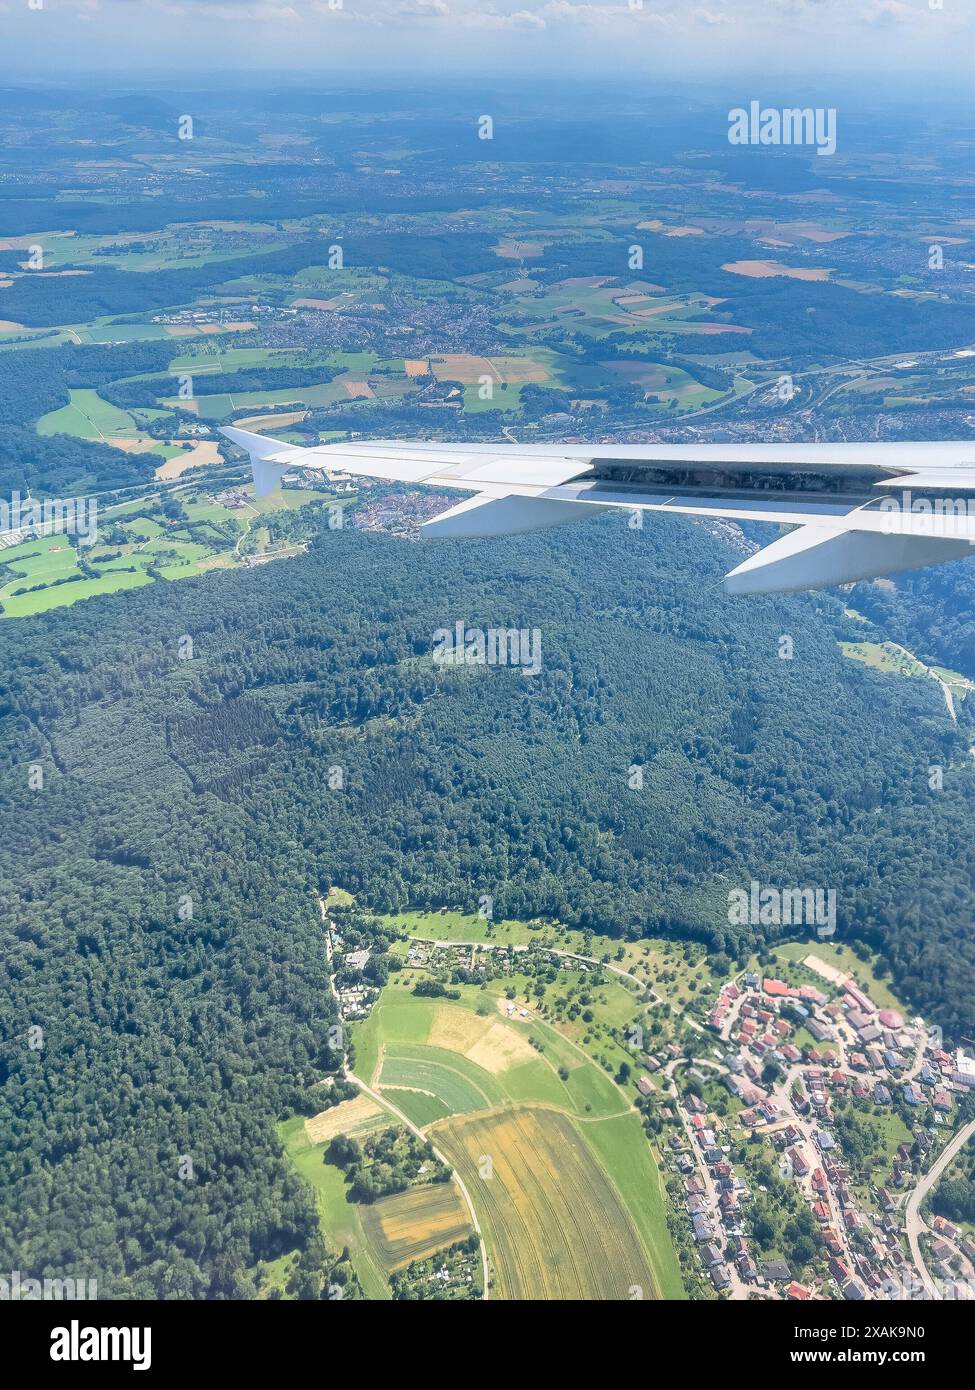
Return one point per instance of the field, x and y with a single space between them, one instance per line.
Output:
130 543
354 1117
842 958
554 1126
89 417
882 656
52 563
555 1225
394 1047
385 1235
415 1224
660 971
437 1074
340 1219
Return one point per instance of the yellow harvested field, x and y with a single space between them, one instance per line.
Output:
555 1225
489 1042
519 369
359 390
190 330
456 1029
580 282
416 366
415 1224
203 452
656 225
812 233
318 303
142 445
344 1118
519 250
500 1048
463 367
469 369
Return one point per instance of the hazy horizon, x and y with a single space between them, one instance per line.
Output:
659 39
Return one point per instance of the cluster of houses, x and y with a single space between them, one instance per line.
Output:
437 955
454 955
714 1193
356 1001
945 1245
859 1052
858 1046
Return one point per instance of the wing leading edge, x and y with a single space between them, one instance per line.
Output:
859 511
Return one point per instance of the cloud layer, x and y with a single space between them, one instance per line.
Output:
496 35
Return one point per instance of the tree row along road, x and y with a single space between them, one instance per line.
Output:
399 1114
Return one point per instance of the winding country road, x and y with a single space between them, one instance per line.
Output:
914 1222
928 671
405 1119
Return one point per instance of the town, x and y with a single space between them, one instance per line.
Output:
785 1096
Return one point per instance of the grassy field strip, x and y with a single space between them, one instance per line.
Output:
422 1107
458 1091
340 1219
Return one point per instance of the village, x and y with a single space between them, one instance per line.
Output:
785 1092
790 1062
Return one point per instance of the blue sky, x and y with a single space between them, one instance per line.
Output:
662 38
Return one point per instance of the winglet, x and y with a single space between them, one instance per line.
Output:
270 459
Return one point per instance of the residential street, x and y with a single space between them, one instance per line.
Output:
915 1223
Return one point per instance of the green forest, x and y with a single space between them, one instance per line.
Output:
171 809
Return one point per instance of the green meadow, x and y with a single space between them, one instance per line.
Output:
444 1062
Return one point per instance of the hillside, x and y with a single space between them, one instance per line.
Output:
159 920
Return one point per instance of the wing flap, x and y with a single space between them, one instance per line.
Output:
487 515
815 557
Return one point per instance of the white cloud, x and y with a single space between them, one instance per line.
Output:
676 36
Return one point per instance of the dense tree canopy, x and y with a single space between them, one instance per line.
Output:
158 905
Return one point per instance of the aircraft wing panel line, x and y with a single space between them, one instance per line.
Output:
520 488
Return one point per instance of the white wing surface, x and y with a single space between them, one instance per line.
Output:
861 510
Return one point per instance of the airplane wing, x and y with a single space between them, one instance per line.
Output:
855 511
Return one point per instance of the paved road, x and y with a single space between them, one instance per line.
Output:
928 671
395 1110
914 1222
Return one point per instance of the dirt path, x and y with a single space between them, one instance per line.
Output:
405 1119
505 1107
945 687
